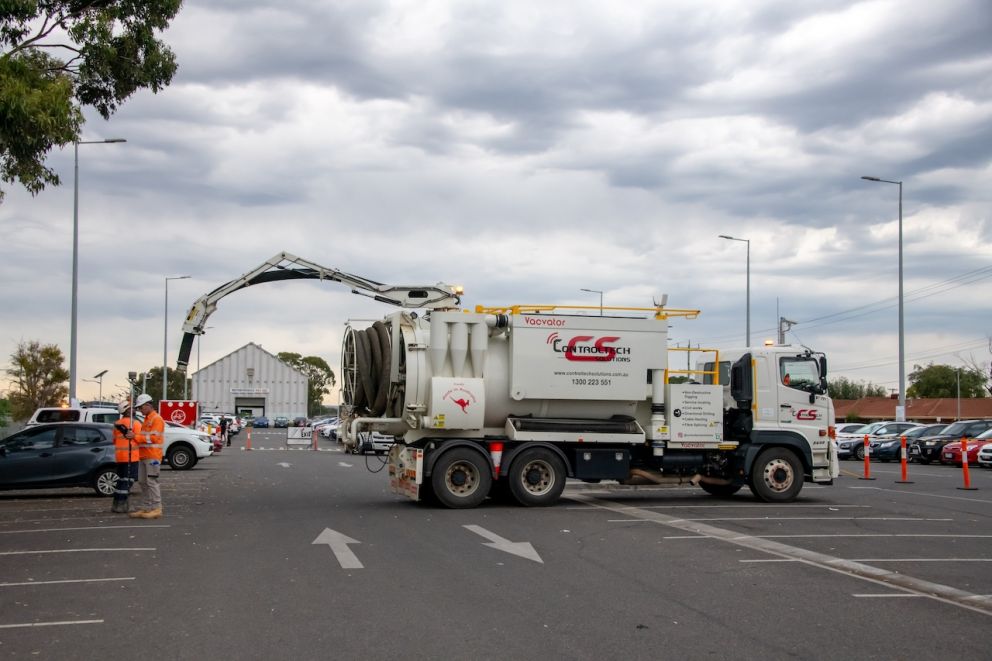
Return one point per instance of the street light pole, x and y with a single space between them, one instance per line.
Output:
165 340
748 313
596 291
901 411
98 379
75 259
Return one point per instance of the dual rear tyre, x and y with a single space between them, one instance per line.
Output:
462 478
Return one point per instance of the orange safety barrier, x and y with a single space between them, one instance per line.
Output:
964 466
867 475
904 462
313 438
248 440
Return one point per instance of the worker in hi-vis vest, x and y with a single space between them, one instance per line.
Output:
127 431
150 450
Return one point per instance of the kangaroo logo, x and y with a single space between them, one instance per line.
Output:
463 403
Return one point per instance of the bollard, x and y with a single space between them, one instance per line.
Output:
964 467
313 439
248 440
867 475
904 461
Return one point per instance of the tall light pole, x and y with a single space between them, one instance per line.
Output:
901 410
75 258
165 341
748 242
98 379
596 291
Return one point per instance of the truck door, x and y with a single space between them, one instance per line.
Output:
799 383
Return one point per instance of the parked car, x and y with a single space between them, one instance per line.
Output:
69 454
72 414
185 447
951 453
888 447
330 430
847 427
985 455
261 422
851 445
299 422
280 421
928 448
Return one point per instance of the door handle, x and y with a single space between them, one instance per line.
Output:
785 406
96 449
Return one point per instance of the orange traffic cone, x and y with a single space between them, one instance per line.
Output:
248 441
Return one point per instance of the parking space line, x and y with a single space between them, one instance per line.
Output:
852 568
818 518
826 535
894 595
763 506
880 560
71 580
151 548
49 624
16 532
928 495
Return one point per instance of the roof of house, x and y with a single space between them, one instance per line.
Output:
944 409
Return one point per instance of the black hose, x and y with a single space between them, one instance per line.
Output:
372 354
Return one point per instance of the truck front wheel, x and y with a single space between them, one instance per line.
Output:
537 478
776 476
461 478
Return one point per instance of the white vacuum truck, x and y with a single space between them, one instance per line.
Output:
511 402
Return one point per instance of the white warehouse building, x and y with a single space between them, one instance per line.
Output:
251 381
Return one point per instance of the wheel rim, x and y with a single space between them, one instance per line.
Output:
107 483
461 478
179 459
537 477
779 475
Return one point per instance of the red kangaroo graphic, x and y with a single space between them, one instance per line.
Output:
462 403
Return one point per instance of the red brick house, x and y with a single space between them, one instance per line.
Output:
870 409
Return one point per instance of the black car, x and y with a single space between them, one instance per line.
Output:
67 454
854 448
888 448
280 421
928 448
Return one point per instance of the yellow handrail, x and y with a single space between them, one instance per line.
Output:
715 372
659 312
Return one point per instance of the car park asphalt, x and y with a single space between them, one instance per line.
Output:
280 553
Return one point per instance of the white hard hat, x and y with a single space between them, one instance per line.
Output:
143 398
123 407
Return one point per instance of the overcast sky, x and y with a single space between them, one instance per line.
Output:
527 150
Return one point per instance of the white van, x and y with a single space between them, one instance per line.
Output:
57 414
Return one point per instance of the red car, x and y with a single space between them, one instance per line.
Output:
951 453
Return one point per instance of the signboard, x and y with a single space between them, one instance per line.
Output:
181 412
299 435
696 414
249 391
585 358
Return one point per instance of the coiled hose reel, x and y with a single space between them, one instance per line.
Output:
365 365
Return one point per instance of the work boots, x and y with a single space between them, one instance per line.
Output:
119 507
136 514
152 514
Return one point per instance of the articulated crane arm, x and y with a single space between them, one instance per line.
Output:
285 266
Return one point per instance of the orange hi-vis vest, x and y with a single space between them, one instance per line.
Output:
152 436
126 451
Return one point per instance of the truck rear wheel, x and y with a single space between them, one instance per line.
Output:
461 478
537 478
776 476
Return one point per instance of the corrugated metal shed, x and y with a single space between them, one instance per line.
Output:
251 378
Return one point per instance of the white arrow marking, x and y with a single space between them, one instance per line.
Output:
339 546
284 464
341 463
523 549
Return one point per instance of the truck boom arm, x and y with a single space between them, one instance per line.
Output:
285 266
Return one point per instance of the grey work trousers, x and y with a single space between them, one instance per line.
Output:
151 491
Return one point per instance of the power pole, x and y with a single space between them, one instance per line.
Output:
783 327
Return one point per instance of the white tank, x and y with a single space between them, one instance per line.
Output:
464 373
